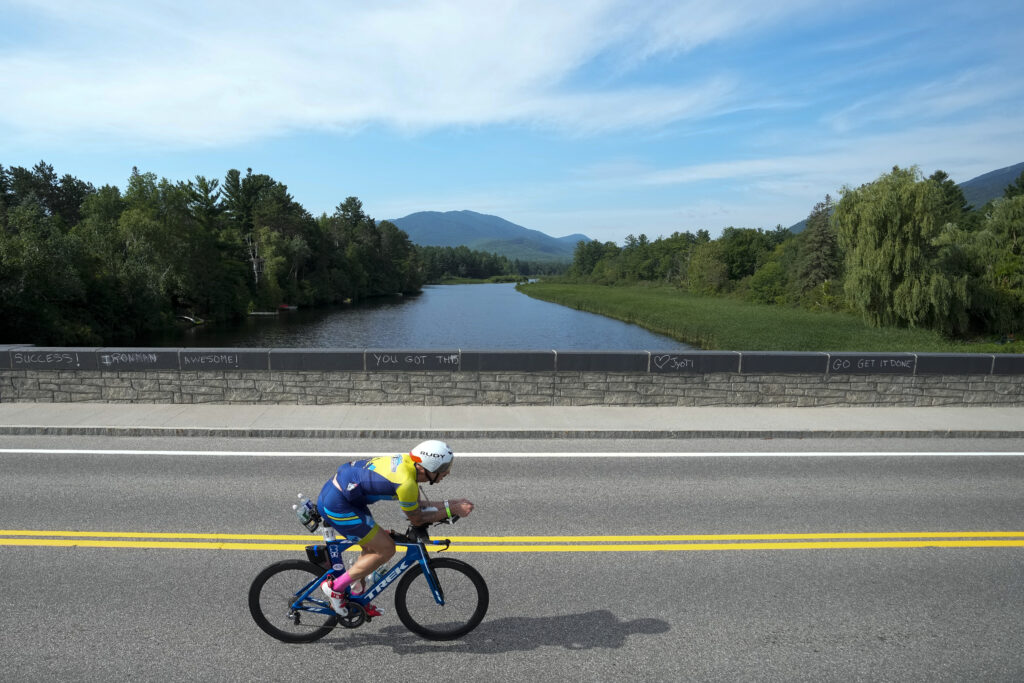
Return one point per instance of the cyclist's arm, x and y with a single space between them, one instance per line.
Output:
425 515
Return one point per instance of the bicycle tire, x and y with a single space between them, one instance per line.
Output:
466 599
270 606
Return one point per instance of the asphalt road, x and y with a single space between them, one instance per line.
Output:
700 609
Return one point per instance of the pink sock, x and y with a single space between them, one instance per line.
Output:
341 583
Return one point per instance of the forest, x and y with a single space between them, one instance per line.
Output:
86 265
81 265
902 251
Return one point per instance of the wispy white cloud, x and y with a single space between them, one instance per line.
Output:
631 88
209 74
774 190
967 150
678 26
973 90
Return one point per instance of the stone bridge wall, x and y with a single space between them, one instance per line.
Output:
557 378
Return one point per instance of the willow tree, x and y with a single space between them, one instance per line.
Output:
891 232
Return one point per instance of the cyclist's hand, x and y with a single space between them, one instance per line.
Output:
460 507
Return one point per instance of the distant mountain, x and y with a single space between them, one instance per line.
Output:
481 232
977 191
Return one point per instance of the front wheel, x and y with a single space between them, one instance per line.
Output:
465 600
272 598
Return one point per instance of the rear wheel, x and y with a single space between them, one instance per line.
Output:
272 594
465 600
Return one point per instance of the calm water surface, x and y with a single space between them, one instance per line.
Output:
470 317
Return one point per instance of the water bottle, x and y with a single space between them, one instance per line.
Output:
377 575
311 512
304 511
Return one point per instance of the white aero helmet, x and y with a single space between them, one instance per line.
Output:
435 456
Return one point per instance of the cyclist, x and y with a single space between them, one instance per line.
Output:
344 499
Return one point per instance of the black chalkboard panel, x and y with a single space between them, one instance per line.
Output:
1008 364
600 361
53 358
412 361
508 361
695 362
871 363
769 362
5 355
316 360
137 359
199 360
954 364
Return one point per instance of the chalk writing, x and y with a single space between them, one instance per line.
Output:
42 358
415 360
673 363
872 364
110 359
221 359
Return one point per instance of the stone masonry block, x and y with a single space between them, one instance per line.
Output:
155 397
202 390
119 394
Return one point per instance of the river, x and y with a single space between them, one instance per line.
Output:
485 317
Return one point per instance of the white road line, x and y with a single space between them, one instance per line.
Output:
585 454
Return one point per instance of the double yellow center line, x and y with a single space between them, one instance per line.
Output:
532 544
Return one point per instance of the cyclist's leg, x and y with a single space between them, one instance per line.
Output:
378 548
352 522
358 526
355 523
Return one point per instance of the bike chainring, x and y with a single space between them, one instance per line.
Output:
355 617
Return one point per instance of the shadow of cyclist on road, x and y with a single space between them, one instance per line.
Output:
597 629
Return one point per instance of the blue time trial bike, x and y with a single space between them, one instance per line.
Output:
438 598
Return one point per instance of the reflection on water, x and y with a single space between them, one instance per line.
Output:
469 317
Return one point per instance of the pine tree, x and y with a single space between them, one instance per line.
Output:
819 260
954 203
1015 188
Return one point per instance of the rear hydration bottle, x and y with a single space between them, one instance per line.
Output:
307 514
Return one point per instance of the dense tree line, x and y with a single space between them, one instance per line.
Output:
440 263
903 251
87 265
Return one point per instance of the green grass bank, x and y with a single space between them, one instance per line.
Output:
719 323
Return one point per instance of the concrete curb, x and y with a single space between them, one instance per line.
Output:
431 433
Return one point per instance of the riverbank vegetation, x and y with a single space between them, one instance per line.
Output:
710 322
449 265
900 263
81 265
494 280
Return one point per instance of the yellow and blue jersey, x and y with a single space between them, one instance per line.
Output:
385 478
344 498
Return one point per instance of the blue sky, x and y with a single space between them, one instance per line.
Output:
601 117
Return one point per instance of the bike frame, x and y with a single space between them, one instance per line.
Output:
415 553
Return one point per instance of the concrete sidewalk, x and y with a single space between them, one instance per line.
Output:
386 421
